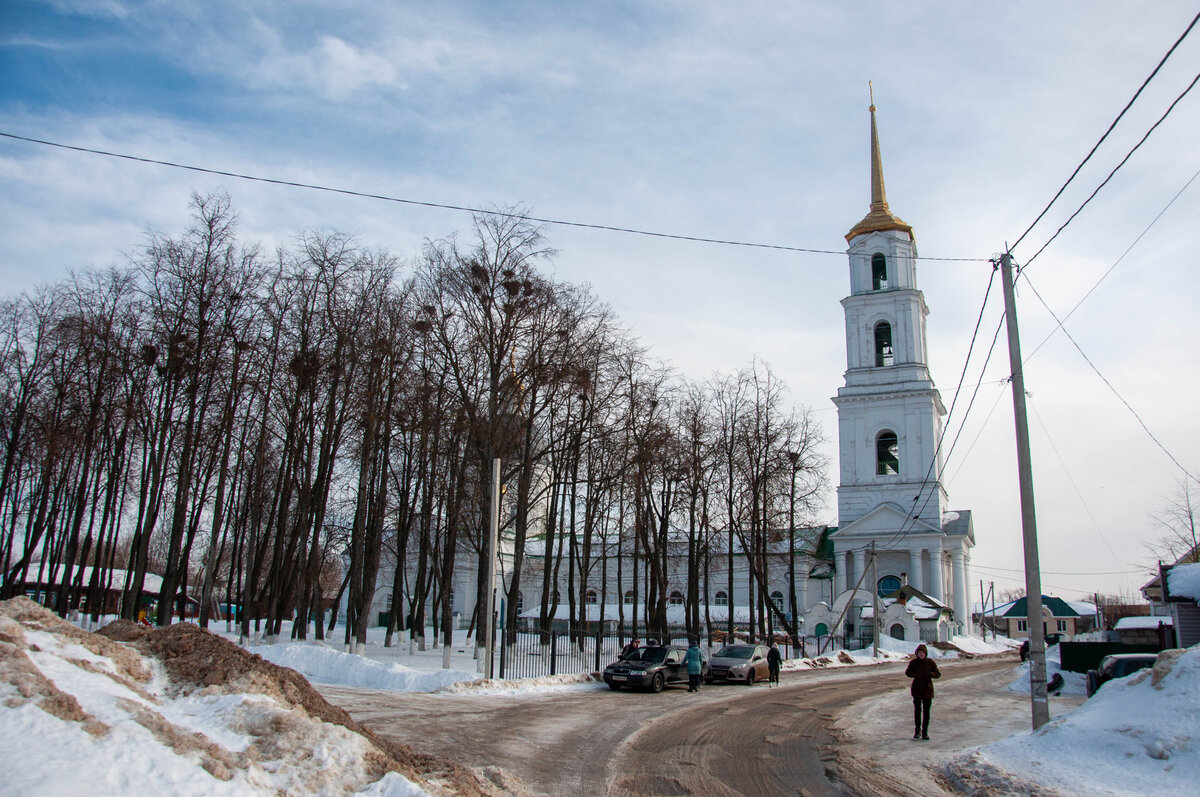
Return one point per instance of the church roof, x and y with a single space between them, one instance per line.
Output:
879 217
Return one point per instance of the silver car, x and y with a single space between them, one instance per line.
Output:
747 663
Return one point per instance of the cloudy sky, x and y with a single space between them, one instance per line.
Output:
743 122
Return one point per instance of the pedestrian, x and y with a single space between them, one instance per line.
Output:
922 670
774 662
1024 651
695 664
629 648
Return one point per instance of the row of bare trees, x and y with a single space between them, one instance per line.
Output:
282 431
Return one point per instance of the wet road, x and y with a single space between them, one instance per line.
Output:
725 740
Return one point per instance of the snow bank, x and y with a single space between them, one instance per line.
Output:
1074 683
323 664
1137 735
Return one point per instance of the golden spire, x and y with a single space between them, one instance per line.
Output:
879 217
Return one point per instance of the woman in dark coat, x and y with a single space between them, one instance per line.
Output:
922 670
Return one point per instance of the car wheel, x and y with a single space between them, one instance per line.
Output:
657 682
1093 682
750 678
615 687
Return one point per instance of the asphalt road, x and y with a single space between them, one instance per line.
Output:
724 740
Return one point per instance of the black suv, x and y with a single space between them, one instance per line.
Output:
651 667
1118 665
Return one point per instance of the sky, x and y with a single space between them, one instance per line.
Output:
701 119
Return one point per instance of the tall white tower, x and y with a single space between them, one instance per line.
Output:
890 420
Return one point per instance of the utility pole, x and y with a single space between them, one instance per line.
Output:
492 549
874 601
1033 574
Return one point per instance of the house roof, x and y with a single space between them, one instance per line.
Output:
1183 581
1057 606
1127 623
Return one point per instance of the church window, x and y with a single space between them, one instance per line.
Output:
520 601
883 344
888 585
879 275
676 598
897 631
821 630
721 599
591 597
629 597
887 454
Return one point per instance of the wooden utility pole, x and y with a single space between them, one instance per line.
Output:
874 600
1033 575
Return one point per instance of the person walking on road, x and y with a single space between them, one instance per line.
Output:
922 670
695 663
774 662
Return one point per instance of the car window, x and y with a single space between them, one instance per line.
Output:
674 657
736 652
654 654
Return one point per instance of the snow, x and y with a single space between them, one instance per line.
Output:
1074 683
322 664
1183 581
1126 623
89 725
1137 735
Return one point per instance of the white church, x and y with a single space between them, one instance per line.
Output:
892 505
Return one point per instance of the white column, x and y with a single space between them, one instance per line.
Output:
802 595
935 573
958 576
860 556
967 582
914 569
840 562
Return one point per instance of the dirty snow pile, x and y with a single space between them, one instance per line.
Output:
1137 735
1074 683
171 712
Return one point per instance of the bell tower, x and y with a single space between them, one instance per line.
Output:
890 494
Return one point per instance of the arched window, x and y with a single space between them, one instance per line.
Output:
879 275
629 598
821 630
676 598
887 454
887 585
554 597
777 599
520 602
883 345
590 598
387 604
721 599
896 631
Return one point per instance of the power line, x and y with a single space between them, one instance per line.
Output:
1114 390
1116 168
445 206
1129 104
1065 572
1104 276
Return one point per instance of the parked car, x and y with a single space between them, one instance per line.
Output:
651 667
747 663
1118 665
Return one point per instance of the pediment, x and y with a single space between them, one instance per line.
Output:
885 518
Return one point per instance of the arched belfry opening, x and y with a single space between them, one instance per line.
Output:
879 272
884 355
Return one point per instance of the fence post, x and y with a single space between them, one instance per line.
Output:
553 653
503 662
599 640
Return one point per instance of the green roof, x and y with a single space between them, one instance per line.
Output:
1057 606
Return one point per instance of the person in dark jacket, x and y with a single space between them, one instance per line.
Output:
774 662
629 648
695 663
1024 651
922 670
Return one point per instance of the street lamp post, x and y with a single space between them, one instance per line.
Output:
794 458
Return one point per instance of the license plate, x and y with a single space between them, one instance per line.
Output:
620 678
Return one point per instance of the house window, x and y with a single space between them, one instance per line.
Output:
721 599
1062 625
590 598
879 276
883 344
777 599
676 598
887 585
387 604
1022 625
629 598
520 602
887 454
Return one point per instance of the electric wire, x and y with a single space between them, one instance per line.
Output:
446 206
1128 105
1115 169
1111 387
1116 263
1075 486
1065 572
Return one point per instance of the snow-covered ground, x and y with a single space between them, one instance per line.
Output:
1136 736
